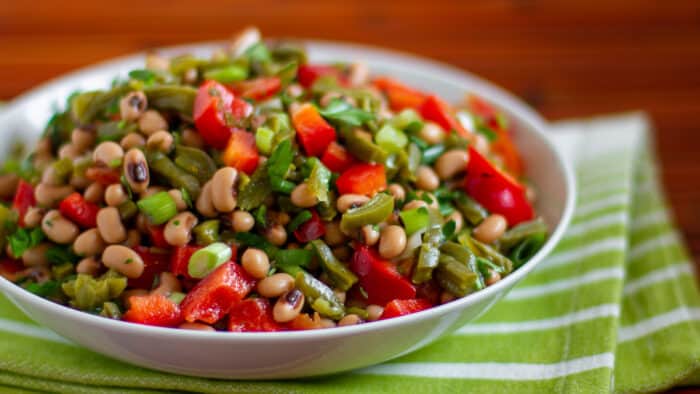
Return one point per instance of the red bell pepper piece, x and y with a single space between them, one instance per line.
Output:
153 310
24 199
314 133
11 269
79 210
157 236
103 175
217 293
398 308
154 263
379 279
362 178
212 106
309 73
241 152
180 260
311 229
399 95
495 190
436 110
254 314
258 89
336 158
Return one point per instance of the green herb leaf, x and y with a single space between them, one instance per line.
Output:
278 165
144 75
258 242
24 239
45 289
60 255
341 111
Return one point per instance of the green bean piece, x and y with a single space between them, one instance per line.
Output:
252 194
339 274
59 254
195 162
326 210
207 232
455 141
319 296
7 222
301 218
363 148
62 271
50 288
465 256
527 248
278 165
287 51
318 180
411 163
472 211
171 98
113 131
180 64
482 250
87 293
455 277
127 210
431 154
375 211
428 255
227 74
258 242
59 128
361 312
62 169
404 118
111 310
522 231
85 107
161 165
292 261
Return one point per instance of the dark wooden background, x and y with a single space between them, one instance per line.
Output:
566 58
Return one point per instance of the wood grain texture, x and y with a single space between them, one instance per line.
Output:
567 59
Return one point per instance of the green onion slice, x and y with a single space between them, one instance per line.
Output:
205 260
159 207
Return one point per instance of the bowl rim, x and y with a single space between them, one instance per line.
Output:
449 74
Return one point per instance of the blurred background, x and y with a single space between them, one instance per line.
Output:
567 59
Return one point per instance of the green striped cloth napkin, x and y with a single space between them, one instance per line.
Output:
614 308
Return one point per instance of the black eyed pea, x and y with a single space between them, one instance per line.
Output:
456 217
132 140
36 255
369 234
79 181
133 238
427 179
82 139
68 151
39 274
167 284
152 121
243 40
327 323
334 236
242 221
178 230
136 170
397 191
8 184
492 278
196 327
451 163
132 105
431 133
288 306
180 203
349 320
94 193
157 62
303 197
108 153
192 138
326 98
414 204
33 217
190 75
115 195
161 141
88 266
359 74
275 285
491 228
374 312
59 229
151 190
48 195
110 226
223 189
425 196
255 262
204 204
123 260
348 201
89 243
340 295
276 235
49 177
392 241
481 144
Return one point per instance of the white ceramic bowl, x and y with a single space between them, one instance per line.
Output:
302 353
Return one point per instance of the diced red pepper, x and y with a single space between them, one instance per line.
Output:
305 322
336 158
379 278
398 308
154 263
103 175
241 152
399 95
253 314
258 89
311 229
24 199
217 293
313 132
157 236
79 210
10 269
495 190
153 310
362 178
214 108
481 107
180 260
436 110
309 73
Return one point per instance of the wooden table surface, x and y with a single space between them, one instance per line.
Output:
567 59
